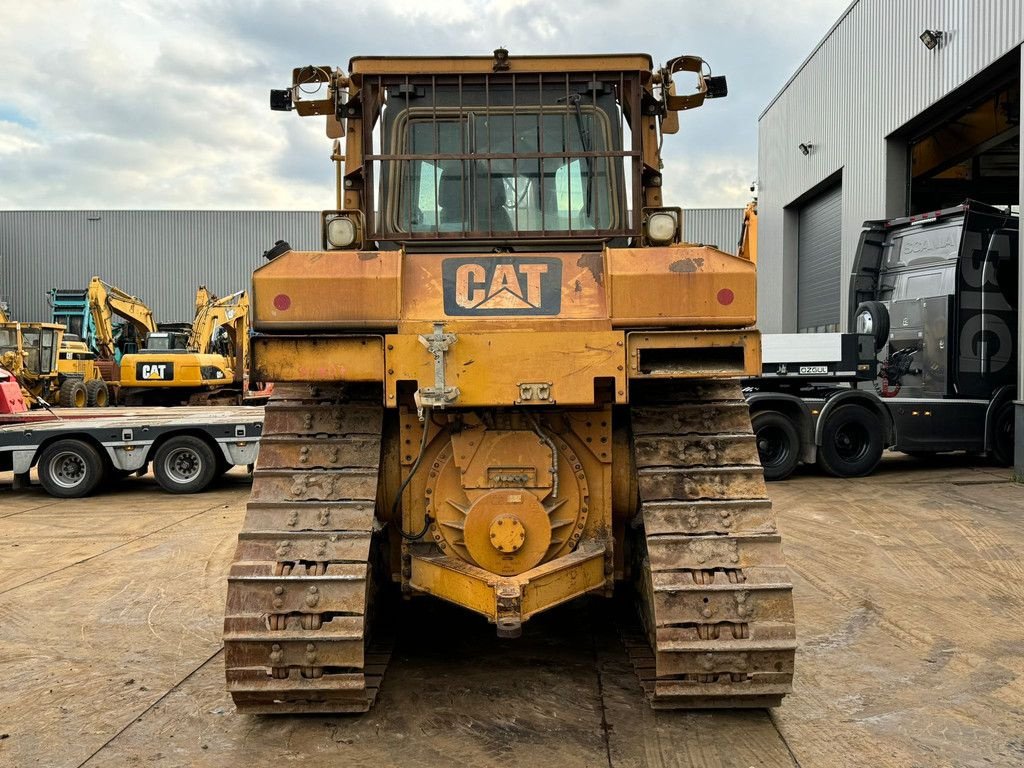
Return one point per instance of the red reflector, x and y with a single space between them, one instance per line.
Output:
282 302
726 296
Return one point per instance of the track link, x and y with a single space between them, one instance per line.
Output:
301 587
713 590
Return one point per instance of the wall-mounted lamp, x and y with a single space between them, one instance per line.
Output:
931 38
805 148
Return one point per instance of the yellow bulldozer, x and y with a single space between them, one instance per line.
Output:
205 365
505 381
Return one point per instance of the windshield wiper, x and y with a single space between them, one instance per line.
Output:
575 100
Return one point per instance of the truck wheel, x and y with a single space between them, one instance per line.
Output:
97 394
851 442
778 444
184 464
1002 435
70 469
73 394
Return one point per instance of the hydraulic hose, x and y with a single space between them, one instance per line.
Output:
408 478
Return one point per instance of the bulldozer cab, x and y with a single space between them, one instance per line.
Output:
516 159
518 153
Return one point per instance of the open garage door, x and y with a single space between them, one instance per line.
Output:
819 268
973 153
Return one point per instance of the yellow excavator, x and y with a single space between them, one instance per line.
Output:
92 317
112 340
504 381
205 366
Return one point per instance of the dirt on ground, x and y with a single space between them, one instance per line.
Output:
909 589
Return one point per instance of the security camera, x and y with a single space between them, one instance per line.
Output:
805 148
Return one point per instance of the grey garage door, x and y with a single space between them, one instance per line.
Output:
818 263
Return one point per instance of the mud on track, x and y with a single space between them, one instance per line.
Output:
909 606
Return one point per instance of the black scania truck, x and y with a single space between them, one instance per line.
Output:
931 367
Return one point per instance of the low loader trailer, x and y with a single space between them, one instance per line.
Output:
187 447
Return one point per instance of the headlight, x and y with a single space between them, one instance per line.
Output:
661 227
865 324
341 232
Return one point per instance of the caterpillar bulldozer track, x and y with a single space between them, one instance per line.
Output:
713 589
506 381
308 543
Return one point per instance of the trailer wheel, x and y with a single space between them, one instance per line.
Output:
1002 435
851 442
778 444
73 394
97 394
70 469
184 464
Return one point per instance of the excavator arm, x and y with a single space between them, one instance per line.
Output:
231 313
106 302
748 233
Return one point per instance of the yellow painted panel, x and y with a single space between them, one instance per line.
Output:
488 368
318 358
680 286
327 290
456 586
550 589
149 370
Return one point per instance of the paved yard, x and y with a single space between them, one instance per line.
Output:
909 593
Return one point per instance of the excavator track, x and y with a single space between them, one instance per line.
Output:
712 588
302 584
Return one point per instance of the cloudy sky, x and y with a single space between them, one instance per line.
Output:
141 104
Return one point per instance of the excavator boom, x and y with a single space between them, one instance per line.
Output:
106 302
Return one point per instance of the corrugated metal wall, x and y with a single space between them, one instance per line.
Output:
163 256
160 256
719 227
870 76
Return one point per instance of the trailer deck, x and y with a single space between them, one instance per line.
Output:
126 440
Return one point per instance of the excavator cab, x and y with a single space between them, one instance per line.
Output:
165 341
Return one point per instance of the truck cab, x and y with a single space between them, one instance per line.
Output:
939 294
933 299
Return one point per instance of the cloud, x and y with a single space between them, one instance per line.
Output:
148 104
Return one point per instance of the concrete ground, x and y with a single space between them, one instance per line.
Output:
909 592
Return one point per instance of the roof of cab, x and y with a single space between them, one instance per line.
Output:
455 65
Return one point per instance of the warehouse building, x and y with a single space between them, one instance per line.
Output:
902 108
163 256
